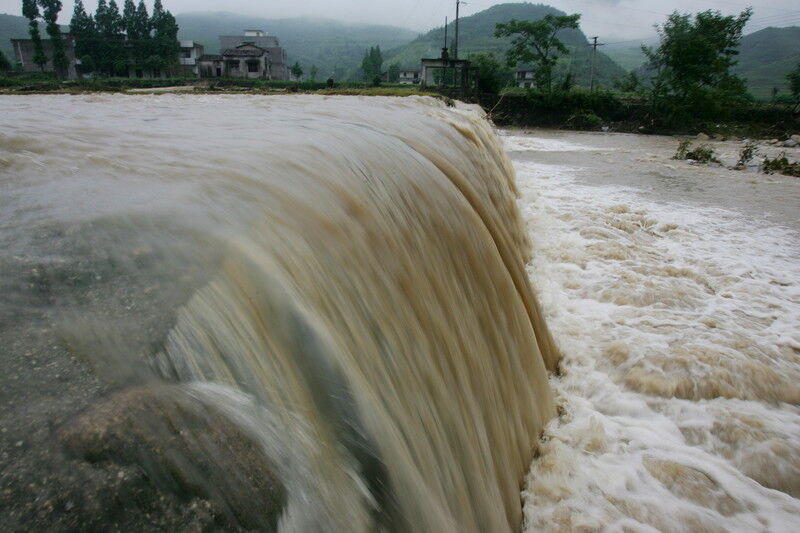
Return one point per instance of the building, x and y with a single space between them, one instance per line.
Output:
444 71
408 76
525 78
23 53
189 56
252 55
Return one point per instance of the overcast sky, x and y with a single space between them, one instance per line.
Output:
612 20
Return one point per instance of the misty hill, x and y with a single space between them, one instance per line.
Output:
328 44
765 57
476 35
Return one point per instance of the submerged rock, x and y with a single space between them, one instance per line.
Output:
176 446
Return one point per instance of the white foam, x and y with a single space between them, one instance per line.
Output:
519 143
679 327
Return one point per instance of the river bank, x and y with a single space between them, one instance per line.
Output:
579 111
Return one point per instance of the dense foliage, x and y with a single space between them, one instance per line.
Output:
492 75
690 69
371 64
5 64
111 42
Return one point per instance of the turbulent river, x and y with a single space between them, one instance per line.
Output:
333 313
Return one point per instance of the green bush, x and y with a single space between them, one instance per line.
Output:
702 154
585 120
781 165
599 103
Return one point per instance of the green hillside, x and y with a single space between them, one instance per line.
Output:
629 57
334 47
476 34
766 57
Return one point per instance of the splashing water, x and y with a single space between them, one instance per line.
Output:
678 321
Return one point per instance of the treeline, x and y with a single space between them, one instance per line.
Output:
110 42
687 78
49 15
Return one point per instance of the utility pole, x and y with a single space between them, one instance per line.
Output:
594 54
455 48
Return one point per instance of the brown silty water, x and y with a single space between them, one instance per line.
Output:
342 279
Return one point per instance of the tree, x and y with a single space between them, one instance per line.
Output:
691 67
129 19
393 74
83 29
313 72
371 64
794 85
51 9
296 70
30 10
5 64
165 35
114 19
141 21
492 77
536 43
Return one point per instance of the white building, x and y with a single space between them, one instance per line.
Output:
408 76
525 78
190 53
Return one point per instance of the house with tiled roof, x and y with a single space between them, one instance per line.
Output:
252 55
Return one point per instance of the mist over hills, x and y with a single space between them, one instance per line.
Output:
334 47
476 35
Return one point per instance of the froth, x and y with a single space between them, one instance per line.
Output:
678 395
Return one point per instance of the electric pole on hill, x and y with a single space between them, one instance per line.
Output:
594 53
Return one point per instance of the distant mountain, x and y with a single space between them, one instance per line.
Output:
766 56
476 34
334 47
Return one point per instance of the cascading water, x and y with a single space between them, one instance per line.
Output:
353 298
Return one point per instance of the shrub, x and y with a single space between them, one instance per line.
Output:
585 120
781 165
702 154
746 154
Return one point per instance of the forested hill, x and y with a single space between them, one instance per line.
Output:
766 56
476 34
334 47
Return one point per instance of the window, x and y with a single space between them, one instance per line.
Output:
252 66
232 64
187 54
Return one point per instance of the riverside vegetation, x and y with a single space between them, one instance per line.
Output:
687 86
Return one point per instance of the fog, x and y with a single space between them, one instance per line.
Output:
609 19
